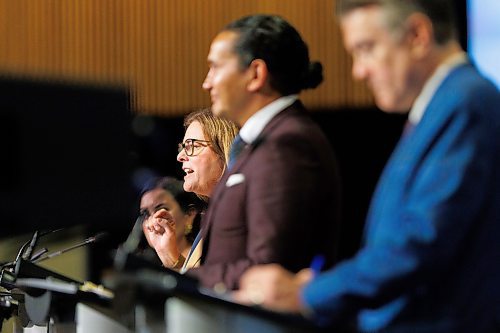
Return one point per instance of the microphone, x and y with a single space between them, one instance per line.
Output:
98 237
131 244
38 254
133 240
26 250
29 249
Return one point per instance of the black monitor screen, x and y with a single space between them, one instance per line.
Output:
65 155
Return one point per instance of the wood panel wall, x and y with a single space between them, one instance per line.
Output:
158 47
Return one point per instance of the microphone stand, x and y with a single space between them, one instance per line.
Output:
26 250
42 291
89 240
131 244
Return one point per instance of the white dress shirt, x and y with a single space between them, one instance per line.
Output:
256 123
432 84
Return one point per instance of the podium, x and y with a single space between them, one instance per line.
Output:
88 318
147 299
175 303
51 302
186 314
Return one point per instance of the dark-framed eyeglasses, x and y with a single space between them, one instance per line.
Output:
192 147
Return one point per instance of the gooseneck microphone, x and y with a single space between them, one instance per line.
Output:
26 250
130 245
98 237
29 249
39 253
133 240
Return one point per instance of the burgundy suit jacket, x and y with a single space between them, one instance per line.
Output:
278 204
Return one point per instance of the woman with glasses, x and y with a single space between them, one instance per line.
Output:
204 155
204 151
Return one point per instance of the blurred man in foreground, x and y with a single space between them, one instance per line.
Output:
431 257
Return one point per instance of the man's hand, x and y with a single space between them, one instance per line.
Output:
273 287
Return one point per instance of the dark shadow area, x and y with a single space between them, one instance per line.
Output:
67 161
363 140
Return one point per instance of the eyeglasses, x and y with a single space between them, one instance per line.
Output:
192 147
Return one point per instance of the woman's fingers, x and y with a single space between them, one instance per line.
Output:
164 219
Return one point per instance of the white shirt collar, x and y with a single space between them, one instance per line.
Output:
256 123
432 84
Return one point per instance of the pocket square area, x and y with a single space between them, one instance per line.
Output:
235 179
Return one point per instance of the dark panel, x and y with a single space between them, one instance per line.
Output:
363 140
461 12
66 151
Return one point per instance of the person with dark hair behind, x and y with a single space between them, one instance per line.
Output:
165 198
278 201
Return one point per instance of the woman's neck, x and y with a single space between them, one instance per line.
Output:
184 246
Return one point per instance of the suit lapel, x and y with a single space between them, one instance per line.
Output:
412 148
437 114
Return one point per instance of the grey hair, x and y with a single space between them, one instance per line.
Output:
396 12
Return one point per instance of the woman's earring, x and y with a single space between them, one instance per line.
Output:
187 229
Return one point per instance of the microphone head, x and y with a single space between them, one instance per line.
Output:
28 247
99 237
47 232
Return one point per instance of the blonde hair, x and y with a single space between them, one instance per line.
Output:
219 131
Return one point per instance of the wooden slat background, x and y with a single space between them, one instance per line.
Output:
159 47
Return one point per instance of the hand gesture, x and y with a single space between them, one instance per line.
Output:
160 233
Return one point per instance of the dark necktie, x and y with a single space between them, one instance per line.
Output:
236 148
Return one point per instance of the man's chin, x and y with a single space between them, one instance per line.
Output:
216 111
391 107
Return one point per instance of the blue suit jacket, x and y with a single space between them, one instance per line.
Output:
431 258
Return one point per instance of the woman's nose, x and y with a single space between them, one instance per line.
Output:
181 156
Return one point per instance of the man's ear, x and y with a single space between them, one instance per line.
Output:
420 32
258 72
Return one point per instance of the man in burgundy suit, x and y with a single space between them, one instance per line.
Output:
278 202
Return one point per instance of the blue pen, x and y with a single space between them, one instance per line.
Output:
317 264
